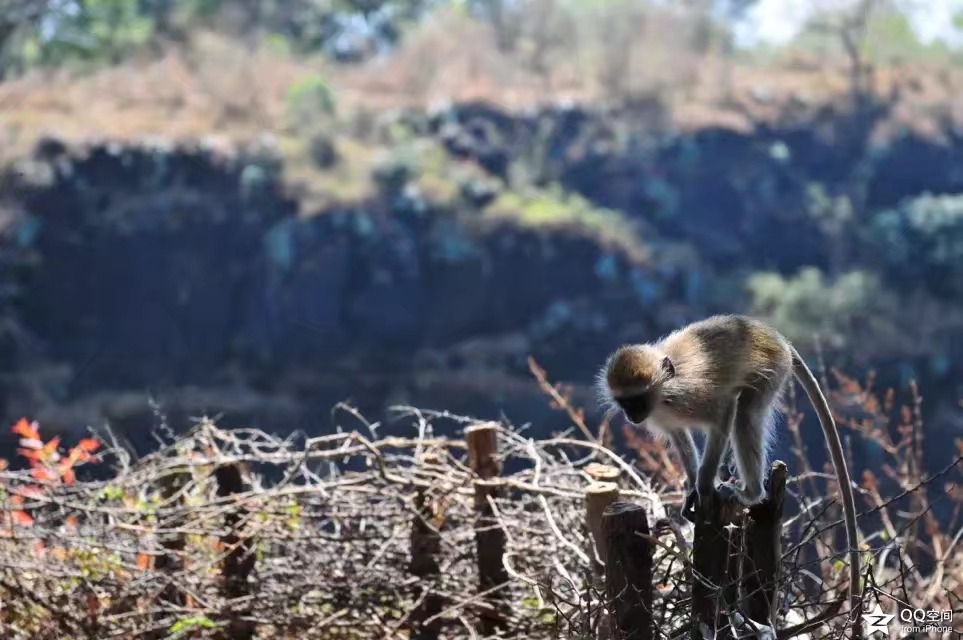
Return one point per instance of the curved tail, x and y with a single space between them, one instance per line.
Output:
818 400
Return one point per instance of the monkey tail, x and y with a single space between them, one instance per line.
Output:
808 382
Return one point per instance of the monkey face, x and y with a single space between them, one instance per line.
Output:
636 407
632 380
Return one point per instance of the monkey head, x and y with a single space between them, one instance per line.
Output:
632 380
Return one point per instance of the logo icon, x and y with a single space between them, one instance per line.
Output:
878 621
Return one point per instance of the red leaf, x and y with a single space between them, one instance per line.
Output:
30 491
22 518
30 443
51 447
89 445
143 561
30 454
26 429
67 475
43 473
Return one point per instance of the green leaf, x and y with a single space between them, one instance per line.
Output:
112 493
194 622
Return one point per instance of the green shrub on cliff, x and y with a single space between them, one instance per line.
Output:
921 241
553 208
807 305
309 102
95 30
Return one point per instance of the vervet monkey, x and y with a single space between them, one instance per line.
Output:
725 375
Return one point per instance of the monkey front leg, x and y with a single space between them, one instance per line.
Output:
717 446
728 460
685 446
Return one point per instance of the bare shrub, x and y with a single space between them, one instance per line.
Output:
243 534
617 50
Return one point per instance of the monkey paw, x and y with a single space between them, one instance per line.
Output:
725 492
729 491
690 505
693 499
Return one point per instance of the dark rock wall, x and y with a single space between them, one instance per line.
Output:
187 275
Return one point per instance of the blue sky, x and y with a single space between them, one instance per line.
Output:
778 21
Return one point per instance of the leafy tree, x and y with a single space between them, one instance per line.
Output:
310 101
17 18
55 32
852 308
97 30
920 242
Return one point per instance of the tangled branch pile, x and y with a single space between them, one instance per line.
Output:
312 538
240 534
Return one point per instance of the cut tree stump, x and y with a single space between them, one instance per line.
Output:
732 547
490 539
628 570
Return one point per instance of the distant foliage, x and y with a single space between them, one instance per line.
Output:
921 242
64 31
46 463
95 30
309 101
47 467
887 33
554 208
808 305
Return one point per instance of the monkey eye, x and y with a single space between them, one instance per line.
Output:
637 407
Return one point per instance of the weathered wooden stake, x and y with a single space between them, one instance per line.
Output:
171 561
602 472
598 496
425 542
734 546
715 541
628 570
240 559
482 440
760 565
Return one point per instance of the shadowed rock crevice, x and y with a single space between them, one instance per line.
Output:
165 269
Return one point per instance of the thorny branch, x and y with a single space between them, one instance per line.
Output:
328 525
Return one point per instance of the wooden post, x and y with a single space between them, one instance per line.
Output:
628 570
240 559
734 547
482 440
171 561
598 496
715 586
425 542
602 472
760 565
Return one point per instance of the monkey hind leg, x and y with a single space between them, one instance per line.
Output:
750 442
728 466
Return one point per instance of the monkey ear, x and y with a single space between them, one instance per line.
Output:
667 366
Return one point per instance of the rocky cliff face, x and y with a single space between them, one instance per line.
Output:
188 274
